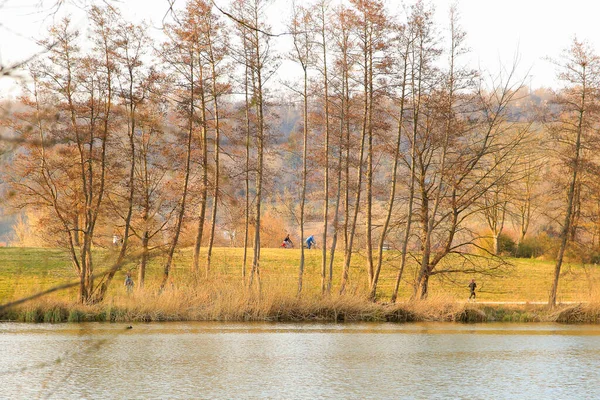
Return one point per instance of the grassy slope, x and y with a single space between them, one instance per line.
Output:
24 271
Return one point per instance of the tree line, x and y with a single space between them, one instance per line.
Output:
393 141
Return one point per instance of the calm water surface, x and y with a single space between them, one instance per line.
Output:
289 361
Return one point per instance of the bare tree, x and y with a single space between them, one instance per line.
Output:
579 70
243 56
154 207
216 52
180 55
80 90
457 158
372 37
321 11
260 59
197 11
129 43
342 43
369 24
303 39
402 43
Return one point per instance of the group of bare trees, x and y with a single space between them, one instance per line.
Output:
410 110
151 141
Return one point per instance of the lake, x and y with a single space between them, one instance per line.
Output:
304 361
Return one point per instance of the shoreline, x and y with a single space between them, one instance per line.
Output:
327 310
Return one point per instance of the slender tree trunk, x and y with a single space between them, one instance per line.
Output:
347 155
247 173
428 217
369 125
525 217
145 215
182 204
50 184
346 190
259 184
576 212
390 207
564 234
423 277
406 239
186 179
204 186
411 190
359 175
76 228
260 137
326 154
145 204
94 209
217 166
144 260
366 131
130 198
303 193
83 295
338 193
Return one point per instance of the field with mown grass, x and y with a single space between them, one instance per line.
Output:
221 296
24 271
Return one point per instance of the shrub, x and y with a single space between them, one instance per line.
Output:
536 246
529 248
594 257
506 245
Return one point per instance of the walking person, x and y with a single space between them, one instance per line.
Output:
472 287
129 283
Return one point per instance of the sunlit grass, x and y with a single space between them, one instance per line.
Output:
25 271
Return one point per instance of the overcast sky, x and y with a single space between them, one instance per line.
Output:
497 30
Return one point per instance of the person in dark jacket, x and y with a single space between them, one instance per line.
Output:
472 287
287 242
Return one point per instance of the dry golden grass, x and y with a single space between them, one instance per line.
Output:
222 302
579 313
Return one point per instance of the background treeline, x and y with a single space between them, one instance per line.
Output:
382 138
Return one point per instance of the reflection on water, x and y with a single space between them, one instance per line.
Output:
260 360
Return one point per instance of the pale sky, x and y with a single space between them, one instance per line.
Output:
497 30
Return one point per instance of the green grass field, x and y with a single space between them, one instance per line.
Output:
25 271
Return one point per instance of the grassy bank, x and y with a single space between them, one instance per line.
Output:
174 306
222 296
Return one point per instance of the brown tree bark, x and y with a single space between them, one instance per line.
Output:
303 40
215 55
394 178
579 71
322 14
204 163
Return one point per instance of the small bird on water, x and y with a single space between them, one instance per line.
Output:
129 327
